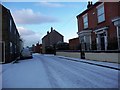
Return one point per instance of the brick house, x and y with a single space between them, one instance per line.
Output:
74 44
51 39
99 26
37 48
9 39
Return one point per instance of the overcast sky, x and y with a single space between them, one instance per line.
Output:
34 19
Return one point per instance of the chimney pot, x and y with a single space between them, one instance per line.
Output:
89 4
47 32
51 29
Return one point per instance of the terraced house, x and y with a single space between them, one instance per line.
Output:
99 26
10 42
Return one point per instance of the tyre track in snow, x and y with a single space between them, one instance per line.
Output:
95 70
95 78
107 74
69 77
50 75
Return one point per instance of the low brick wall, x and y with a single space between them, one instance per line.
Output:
109 57
69 54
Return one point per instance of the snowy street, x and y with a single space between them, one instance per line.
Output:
49 71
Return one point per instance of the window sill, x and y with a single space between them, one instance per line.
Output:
101 22
85 28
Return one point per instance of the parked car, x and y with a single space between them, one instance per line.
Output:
26 53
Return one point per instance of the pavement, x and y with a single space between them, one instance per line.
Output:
95 62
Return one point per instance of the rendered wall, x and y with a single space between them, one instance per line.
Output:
109 57
69 54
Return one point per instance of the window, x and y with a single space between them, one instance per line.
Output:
10 25
15 32
85 21
15 49
11 49
82 39
87 42
82 42
101 13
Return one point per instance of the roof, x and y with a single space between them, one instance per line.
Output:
8 11
55 32
73 38
44 36
84 12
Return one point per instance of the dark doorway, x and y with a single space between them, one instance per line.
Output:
102 41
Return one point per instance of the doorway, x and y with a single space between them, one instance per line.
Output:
102 41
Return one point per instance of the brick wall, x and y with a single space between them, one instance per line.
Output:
74 44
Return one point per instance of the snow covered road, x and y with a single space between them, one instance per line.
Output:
48 71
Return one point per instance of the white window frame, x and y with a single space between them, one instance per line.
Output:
85 22
82 35
100 14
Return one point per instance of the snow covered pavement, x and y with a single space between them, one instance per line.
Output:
48 71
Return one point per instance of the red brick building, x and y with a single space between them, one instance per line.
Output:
99 26
51 39
74 44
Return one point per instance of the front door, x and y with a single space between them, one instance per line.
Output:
102 41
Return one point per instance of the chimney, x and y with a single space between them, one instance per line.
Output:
51 29
89 4
47 32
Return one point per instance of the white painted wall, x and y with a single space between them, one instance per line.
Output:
69 54
109 57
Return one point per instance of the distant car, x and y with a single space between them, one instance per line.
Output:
26 53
